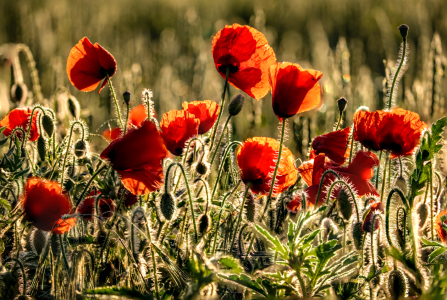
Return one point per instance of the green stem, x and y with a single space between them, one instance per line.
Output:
401 169
240 216
339 122
118 112
88 185
31 121
350 191
220 139
64 256
127 119
22 268
404 221
352 145
384 178
431 203
222 163
378 170
321 184
221 107
283 130
396 75
387 211
220 215
300 279
73 125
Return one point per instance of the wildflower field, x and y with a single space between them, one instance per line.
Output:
226 158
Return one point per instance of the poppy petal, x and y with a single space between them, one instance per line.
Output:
142 181
333 145
206 111
177 127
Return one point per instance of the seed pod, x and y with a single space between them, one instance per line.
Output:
236 105
422 212
202 167
100 237
342 104
344 204
41 148
167 205
38 241
204 222
403 29
74 107
357 234
19 92
48 124
397 284
251 207
401 184
80 149
126 97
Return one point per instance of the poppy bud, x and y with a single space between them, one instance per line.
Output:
344 205
422 212
80 149
251 207
204 222
236 105
403 29
167 205
126 97
48 124
397 284
19 91
41 148
342 102
401 184
202 168
73 106
38 240
100 237
357 234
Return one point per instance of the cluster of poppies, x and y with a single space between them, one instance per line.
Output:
244 58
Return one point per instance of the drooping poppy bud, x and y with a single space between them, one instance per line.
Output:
236 105
397 284
204 222
403 29
422 212
41 148
80 149
126 97
48 125
19 92
344 204
167 206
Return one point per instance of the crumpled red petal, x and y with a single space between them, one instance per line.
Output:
333 145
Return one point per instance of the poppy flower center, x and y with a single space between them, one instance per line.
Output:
233 68
103 72
393 147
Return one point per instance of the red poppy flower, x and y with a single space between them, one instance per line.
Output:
294 89
398 131
257 159
88 64
44 204
136 116
376 208
357 174
106 207
19 117
333 145
247 54
137 157
63 225
440 225
295 204
177 127
129 199
206 111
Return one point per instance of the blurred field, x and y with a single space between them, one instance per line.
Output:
166 46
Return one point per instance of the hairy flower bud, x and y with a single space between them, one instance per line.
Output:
202 167
167 205
342 102
74 107
80 149
357 234
19 91
126 97
41 148
397 284
401 184
422 212
236 105
48 124
344 204
204 222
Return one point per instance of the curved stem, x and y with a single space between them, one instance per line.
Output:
321 184
283 130
72 127
22 268
396 75
350 191
205 184
220 215
240 216
221 107
384 177
220 139
339 121
222 163
88 185
404 223
387 211
127 119
118 112
31 121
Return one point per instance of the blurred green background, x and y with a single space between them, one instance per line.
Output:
165 45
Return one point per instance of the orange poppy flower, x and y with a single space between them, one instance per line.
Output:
397 131
136 116
294 89
206 111
357 174
376 208
106 207
247 54
19 117
333 145
257 159
88 64
63 225
44 204
137 157
177 127
440 225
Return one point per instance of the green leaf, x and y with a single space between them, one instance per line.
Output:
3 141
2 129
307 239
232 264
427 243
245 281
274 240
290 234
436 253
5 203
